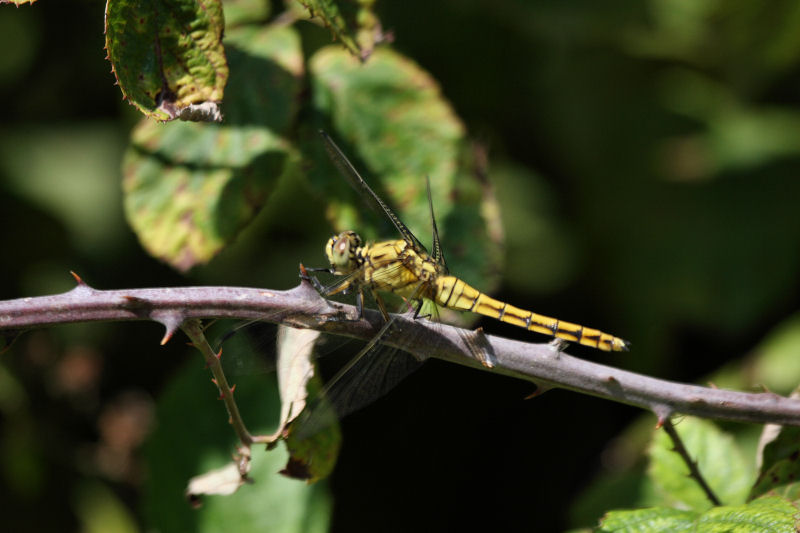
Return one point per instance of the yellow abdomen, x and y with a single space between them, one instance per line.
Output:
456 294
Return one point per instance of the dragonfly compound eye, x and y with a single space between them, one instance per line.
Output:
341 251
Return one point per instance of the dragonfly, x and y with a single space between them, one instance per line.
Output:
405 268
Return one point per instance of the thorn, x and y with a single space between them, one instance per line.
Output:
219 354
78 279
167 336
663 413
170 320
233 389
214 381
559 345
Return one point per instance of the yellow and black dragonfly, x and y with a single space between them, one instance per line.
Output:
405 268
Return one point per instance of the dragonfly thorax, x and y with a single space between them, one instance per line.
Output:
341 251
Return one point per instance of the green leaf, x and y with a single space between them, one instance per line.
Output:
764 514
776 364
351 21
719 460
648 520
190 188
780 465
238 12
390 118
193 436
167 54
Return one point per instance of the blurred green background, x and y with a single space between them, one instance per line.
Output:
644 155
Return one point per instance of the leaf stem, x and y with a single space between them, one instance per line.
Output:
694 471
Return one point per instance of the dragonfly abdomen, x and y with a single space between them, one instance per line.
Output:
455 293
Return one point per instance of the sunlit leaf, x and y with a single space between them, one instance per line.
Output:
648 520
167 55
770 513
776 365
764 514
717 456
295 368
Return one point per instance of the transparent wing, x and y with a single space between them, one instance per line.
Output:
370 374
357 182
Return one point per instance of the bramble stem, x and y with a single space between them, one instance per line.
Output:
302 306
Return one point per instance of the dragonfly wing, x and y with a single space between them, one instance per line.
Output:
373 372
357 182
437 253
370 374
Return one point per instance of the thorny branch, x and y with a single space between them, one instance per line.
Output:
542 364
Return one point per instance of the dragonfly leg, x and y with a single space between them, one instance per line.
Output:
314 281
420 302
360 305
381 306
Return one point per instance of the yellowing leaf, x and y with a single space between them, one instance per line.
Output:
167 55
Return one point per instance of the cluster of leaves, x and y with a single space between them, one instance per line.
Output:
191 188
671 500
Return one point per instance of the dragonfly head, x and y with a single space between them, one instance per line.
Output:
341 252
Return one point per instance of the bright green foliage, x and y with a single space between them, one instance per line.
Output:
190 188
167 54
719 460
648 520
684 507
769 514
764 514
393 122
351 21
